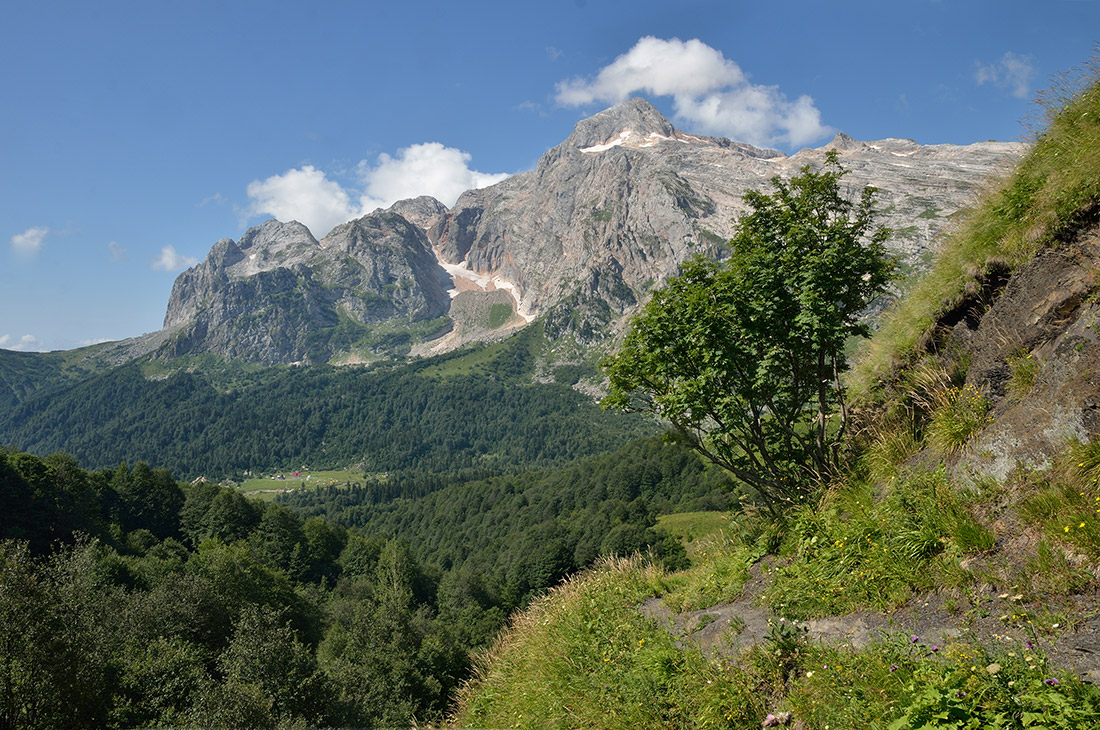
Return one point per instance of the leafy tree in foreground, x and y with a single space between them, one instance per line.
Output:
744 358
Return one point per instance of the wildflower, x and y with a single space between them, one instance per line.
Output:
935 648
914 639
1081 525
893 668
960 694
993 668
1051 682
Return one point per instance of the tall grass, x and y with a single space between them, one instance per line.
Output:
583 656
859 549
1065 502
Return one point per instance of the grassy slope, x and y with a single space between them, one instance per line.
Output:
585 657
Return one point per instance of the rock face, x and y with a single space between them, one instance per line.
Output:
616 207
1048 313
608 214
278 295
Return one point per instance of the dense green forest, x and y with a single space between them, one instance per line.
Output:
128 599
520 533
472 413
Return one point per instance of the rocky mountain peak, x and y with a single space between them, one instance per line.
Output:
843 143
422 212
275 236
607 215
636 115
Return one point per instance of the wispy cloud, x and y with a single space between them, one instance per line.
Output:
117 251
30 241
308 196
171 260
1011 73
215 199
711 94
26 343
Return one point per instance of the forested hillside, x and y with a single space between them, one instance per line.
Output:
520 533
131 600
474 412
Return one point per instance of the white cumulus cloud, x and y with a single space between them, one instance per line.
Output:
422 169
711 94
171 260
304 195
1011 72
308 196
26 343
30 240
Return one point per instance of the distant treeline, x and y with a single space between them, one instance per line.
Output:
438 416
129 599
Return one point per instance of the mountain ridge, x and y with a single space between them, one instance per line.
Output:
605 216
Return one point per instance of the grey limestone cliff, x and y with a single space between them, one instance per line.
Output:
279 295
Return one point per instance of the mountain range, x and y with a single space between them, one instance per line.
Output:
579 241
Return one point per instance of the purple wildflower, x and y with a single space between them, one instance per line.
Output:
914 639
1050 682
935 648
893 667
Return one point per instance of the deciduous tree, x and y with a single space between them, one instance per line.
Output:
744 358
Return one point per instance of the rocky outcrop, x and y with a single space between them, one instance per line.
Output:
1043 325
278 295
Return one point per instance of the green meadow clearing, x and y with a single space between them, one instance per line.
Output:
267 486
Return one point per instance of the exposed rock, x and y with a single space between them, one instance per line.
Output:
278 295
423 212
1048 311
615 208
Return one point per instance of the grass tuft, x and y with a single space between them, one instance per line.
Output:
959 415
856 550
1024 370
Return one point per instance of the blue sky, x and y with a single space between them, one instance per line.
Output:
133 135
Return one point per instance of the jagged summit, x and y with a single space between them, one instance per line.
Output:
843 143
636 114
422 211
273 235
